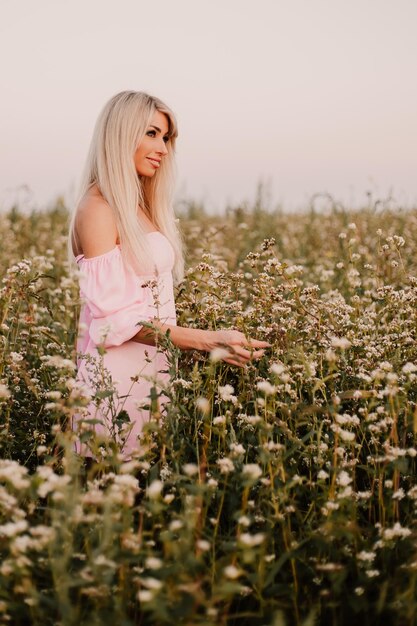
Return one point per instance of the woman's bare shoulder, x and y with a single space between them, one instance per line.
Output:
95 225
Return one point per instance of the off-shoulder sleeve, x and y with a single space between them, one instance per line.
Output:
115 297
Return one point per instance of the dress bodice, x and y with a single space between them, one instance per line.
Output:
116 299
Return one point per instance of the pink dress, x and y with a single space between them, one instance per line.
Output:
115 301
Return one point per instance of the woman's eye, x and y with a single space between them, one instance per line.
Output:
151 133
166 139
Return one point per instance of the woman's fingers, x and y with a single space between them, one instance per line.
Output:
256 343
248 354
250 343
240 356
233 362
241 349
257 354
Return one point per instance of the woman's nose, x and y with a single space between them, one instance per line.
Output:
163 147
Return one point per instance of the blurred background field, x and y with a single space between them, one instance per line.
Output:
282 494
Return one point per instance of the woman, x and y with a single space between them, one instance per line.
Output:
124 238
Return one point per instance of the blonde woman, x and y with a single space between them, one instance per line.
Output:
124 238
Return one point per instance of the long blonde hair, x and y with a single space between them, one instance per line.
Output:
118 132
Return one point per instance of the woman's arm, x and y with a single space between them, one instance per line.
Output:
238 348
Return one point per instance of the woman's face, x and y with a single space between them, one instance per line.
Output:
152 149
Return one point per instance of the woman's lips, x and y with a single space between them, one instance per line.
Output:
154 162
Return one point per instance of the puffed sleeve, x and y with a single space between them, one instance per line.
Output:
116 300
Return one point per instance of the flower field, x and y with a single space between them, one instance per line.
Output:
282 494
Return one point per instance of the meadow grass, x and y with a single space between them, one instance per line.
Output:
284 493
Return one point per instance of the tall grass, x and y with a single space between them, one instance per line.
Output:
284 493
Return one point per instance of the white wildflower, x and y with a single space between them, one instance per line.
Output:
340 342
266 387
53 395
346 435
237 449
185 384
251 541
226 393
11 529
363 495
346 419
412 493
226 465
144 595
165 472
43 532
329 506
203 405
386 366
58 361
345 493
154 489
343 479
277 369
252 470
52 483
127 481
330 355
128 467
232 572
252 419
365 556
152 562
14 473
272 446
151 583
190 469
396 531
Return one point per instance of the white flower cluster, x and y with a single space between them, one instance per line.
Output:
226 393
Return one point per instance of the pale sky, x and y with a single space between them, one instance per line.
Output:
306 95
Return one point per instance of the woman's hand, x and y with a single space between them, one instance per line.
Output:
239 349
